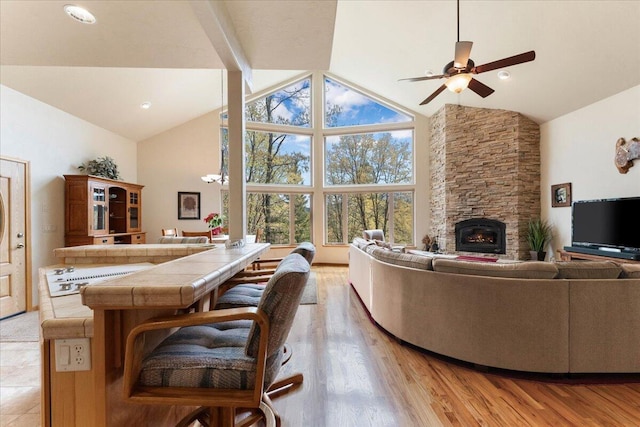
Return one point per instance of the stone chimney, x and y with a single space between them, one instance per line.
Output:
484 164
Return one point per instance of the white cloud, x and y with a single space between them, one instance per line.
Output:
346 98
282 111
402 134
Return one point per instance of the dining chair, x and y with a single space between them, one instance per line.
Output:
223 361
172 232
206 234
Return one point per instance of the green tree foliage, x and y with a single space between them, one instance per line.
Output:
367 159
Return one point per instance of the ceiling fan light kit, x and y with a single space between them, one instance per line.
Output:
458 83
459 72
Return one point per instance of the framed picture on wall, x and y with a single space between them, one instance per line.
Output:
561 195
188 205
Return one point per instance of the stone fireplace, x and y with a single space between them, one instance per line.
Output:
481 235
484 164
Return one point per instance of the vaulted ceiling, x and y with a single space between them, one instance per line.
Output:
161 52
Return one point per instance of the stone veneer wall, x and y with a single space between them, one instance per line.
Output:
484 163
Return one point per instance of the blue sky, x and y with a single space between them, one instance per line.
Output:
358 109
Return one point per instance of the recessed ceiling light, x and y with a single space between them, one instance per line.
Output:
428 73
145 105
503 75
80 14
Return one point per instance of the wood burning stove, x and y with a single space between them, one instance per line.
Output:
481 235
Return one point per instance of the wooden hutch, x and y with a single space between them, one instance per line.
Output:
102 211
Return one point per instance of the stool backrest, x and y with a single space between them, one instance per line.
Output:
280 302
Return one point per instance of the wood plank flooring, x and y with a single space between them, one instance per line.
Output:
357 375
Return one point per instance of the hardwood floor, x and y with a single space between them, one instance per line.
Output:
357 375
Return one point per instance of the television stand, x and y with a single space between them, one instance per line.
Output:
566 255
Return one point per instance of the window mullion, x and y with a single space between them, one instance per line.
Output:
345 219
376 128
277 128
390 214
292 218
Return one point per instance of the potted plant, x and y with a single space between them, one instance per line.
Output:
214 222
539 233
102 166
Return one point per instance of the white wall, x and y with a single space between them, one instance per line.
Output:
579 148
174 161
54 143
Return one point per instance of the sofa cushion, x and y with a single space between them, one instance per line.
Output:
630 271
403 259
373 234
518 270
370 248
588 270
383 244
361 243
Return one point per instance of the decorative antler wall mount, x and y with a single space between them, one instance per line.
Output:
626 153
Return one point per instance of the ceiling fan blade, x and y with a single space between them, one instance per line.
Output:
506 62
463 51
433 95
480 88
418 79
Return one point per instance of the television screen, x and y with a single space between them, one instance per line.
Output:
611 223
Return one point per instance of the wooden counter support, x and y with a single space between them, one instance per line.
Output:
106 312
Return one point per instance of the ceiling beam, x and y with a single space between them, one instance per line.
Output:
217 24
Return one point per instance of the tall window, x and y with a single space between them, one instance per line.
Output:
278 164
366 159
366 144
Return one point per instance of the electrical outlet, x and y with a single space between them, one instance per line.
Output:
73 354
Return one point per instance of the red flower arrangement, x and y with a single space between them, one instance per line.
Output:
214 221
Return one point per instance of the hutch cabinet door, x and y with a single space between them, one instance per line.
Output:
99 208
117 209
134 209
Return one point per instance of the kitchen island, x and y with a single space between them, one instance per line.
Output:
101 315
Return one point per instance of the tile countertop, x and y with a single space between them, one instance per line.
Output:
174 284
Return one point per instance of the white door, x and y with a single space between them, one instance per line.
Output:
13 237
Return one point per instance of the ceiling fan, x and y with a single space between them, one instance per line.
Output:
459 72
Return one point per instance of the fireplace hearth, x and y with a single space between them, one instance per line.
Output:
481 235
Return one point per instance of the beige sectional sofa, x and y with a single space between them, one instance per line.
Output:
576 317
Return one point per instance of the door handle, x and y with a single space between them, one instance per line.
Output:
20 245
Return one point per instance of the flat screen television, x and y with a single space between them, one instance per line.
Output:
610 225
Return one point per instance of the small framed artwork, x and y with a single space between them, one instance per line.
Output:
188 205
561 195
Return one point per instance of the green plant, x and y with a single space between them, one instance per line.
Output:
102 166
214 220
539 233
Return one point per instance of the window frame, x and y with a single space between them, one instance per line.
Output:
318 132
